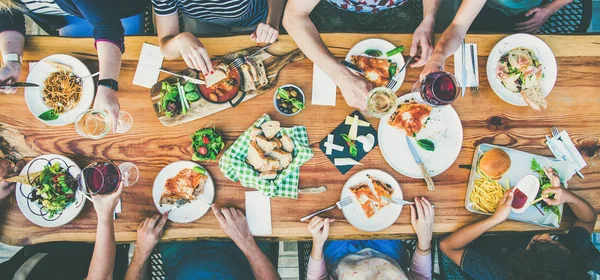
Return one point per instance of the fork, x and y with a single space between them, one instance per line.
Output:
180 202
392 83
237 62
555 132
475 89
340 204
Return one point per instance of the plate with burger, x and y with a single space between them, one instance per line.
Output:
499 169
437 132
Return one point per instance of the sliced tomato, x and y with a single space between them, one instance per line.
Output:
202 150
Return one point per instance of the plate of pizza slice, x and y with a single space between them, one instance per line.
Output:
370 56
183 179
368 211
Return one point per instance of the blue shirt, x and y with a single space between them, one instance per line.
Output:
513 7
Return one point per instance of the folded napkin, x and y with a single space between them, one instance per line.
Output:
472 78
258 213
323 88
146 73
234 167
564 148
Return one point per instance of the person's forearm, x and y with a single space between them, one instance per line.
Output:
465 235
317 251
138 269
12 42
582 209
449 41
557 5
109 60
430 8
275 12
306 36
103 259
169 45
260 264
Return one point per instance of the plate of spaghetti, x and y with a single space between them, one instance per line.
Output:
60 98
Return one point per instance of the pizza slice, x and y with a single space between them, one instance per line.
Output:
382 189
366 199
377 71
186 184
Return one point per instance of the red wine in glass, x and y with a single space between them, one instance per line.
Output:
102 177
438 88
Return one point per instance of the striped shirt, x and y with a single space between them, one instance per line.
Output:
45 7
366 6
222 12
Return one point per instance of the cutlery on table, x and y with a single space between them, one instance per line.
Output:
180 202
400 202
394 79
80 80
203 200
19 85
242 59
476 88
464 67
340 204
186 78
424 171
556 134
312 190
352 67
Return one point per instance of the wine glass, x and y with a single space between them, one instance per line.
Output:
436 89
129 173
96 124
381 102
105 177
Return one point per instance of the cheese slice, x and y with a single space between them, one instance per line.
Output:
331 146
345 161
349 121
353 128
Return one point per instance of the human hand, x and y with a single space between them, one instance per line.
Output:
194 53
503 207
7 170
355 91
105 204
421 218
561 195
5 188
106 100
423 38
149 233
532 25
234 224
434 64
9 73
265 33
554 179
319 229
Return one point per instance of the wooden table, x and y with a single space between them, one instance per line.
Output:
573 105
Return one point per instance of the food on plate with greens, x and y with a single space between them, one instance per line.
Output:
207 144
176 97
53 188
49 115
269 151
187 184
410 117
222 85
377 71
289 100
371 201
519 70
544 184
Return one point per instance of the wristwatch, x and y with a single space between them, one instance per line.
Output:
12 57
109 83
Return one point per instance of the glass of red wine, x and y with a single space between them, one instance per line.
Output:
437 89
100 177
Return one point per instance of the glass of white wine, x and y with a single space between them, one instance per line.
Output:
96 124
381 102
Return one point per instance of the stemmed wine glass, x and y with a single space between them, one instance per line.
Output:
105 177
436 89
95 124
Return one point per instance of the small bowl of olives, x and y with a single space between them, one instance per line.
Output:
289 100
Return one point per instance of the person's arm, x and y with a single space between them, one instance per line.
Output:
234 224
423 35
174 44
319 229
584 212
267 32
12 40
297 22
453 35
109 60
539 15
103 259
455 244
149 233
421 219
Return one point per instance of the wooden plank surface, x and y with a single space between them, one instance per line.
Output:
573 105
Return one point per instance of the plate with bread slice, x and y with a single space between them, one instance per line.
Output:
183 180
372 191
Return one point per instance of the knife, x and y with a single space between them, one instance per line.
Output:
352 67
260 50
464 67
312 190
555 149
186 78
400 202
19 85
426 175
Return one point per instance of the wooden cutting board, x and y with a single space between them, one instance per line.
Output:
202 108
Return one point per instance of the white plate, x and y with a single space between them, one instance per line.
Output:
32 210
41 71
190 211
384 46
543 53
354 212
443 129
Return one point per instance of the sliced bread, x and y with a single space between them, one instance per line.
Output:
255 131
283 157
256 157
266 145
270 128
287 143
534 97
268 175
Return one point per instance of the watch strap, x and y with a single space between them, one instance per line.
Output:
109 83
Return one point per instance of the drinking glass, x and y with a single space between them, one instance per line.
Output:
129 173
381 102
436 89
105 177
96 124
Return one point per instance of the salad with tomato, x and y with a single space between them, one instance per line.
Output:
54 189
207 144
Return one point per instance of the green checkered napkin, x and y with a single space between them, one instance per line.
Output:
233 163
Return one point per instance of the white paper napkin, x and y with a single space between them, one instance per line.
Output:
258 213
565 147
146 73
117 209
323 88
472 79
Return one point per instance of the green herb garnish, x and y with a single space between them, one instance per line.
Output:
393 69
199 170
351 144
285 96
49 115
395 51
544 184
373 52
426 144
